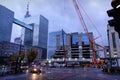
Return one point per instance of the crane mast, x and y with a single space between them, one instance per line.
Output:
86 30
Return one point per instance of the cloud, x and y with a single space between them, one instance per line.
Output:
61 13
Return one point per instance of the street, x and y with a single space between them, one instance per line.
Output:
64 74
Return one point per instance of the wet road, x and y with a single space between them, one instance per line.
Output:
65 74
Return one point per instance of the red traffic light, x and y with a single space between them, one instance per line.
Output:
113 0
115 4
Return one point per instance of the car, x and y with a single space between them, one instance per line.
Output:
36 70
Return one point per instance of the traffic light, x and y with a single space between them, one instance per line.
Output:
115 13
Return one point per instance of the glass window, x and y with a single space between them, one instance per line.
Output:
74 39
85 39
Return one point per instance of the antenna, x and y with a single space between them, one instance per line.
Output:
27 12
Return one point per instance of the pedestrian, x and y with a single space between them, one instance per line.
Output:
47 65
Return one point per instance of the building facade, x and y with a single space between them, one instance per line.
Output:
55 41
41 31
28 36
8 48
6 21
113 39
107 51
39 35
77 48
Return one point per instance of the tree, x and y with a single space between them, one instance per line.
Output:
13 58
31 55
22 55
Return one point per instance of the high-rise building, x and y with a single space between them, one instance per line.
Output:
55 41
6 21
43 32
113 39
77 48
28 36
38 36
31 34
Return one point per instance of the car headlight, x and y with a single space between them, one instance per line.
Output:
21 67
35 69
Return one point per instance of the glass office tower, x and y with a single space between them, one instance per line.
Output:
43 32
38 36
6 21
52 42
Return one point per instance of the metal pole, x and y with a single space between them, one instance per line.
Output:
20 54
63 39
63 47
18 62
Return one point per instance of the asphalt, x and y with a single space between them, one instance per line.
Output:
65 74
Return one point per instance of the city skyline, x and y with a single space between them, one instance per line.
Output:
62 15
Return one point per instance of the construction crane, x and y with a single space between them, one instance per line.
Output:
91 40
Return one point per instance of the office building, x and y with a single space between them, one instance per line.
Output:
8 48
55 41
113 39
28 37
77 48
6 21
38 36
107 52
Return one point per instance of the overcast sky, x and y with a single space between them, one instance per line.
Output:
62 14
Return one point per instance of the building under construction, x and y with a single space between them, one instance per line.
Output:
76 49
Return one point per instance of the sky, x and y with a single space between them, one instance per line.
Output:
62 15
